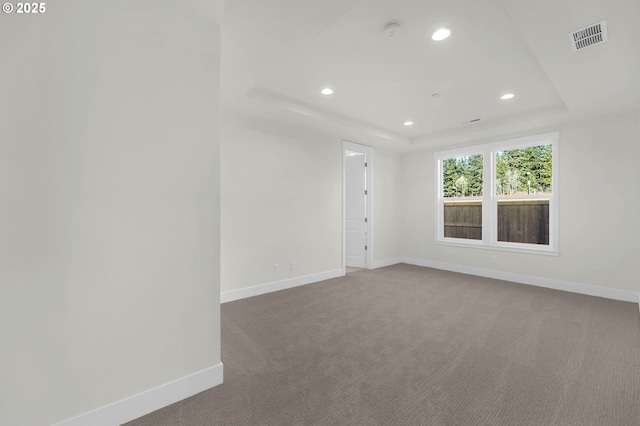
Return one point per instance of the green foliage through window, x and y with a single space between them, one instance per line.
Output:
462 176
524 170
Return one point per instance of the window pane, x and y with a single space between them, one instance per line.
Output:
524 171
523 221
463 219
462 176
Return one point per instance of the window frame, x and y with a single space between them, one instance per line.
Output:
490 198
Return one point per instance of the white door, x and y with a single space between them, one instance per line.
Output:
355 209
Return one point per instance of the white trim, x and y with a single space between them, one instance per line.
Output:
515 248
243 293
146 402
386 262
501 144
590 290
369 159
332 121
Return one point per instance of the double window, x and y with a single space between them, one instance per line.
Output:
500 195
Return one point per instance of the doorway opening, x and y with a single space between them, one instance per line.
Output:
357 196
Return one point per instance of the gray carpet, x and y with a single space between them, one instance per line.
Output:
406 345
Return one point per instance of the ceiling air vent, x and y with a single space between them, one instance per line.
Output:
475 120
585 37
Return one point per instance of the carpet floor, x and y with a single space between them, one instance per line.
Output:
406 345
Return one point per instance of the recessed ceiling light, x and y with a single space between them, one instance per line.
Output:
327 91
408 123
441 34
507 96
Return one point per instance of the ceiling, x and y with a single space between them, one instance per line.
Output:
278 54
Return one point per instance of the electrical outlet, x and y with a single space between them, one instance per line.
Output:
276 267
493 258
292 265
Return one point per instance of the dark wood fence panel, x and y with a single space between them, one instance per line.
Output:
521 221
463 220
524 221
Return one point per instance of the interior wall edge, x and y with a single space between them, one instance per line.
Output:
386 262
572 287
569 286
257 290
150 400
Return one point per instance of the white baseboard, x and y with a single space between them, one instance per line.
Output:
243 293
591 290
386 262
135 406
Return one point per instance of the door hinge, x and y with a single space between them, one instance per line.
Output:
365 247
365 164
365 220
365 192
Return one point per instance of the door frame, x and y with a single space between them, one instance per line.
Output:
368 151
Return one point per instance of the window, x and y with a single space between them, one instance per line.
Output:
462 190
500 195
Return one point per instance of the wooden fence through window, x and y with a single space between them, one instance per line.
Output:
463 219
519 221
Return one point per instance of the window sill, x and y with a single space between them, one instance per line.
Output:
479 245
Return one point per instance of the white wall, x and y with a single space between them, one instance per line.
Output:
281 202
109 203
386 220
598 202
